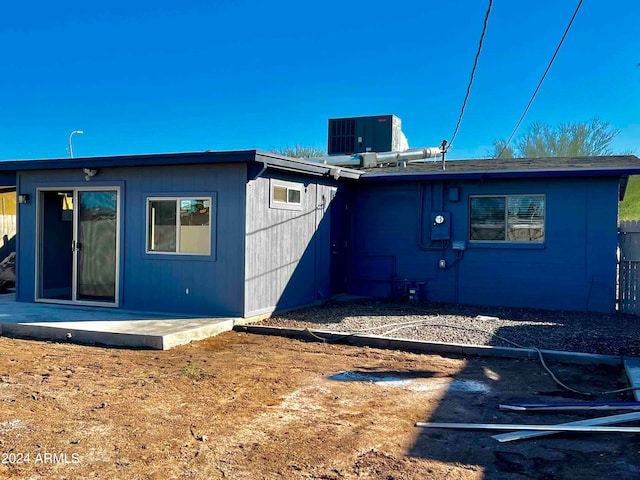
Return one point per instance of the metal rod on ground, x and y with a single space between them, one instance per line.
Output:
632 367
610 420
538 428
569 406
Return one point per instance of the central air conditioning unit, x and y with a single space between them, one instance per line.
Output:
381 133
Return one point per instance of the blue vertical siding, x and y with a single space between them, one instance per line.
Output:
264 258
158 282
574 269
287 256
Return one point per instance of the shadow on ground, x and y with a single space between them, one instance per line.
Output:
567 456
564 456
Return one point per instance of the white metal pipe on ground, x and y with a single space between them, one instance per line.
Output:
537 428
609 420
570 406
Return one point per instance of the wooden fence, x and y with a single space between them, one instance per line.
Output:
629 267
7 227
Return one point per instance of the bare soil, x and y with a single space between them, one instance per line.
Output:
245 406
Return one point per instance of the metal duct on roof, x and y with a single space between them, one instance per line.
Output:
373 159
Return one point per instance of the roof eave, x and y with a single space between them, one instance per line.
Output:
189 158
498 174
279 162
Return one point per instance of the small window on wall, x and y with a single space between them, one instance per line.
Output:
507 218
286 195
179 226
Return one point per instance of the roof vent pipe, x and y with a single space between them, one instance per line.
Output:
372 159
443 149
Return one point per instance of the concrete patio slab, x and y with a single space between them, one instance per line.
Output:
104 326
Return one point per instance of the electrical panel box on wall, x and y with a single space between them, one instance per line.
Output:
440 225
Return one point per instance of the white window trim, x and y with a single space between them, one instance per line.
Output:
177 200
289 186
506 222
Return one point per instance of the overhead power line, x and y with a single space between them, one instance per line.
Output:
473 72
555 54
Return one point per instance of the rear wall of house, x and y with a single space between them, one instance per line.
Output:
287 249
201 284
573 269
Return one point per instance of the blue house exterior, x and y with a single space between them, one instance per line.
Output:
574 268
198 233
421 227
246 233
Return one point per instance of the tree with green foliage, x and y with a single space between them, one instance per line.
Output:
299 151
630 206
580 139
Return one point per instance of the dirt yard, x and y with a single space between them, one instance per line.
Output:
244 406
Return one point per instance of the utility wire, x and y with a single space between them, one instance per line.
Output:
473 72
526 110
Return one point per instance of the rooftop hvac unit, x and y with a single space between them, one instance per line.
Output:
381 133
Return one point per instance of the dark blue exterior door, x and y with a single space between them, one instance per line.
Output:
340 242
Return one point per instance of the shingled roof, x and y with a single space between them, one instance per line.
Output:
611 165
552 163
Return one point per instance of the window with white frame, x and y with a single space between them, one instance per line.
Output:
285 195
179 225
507 218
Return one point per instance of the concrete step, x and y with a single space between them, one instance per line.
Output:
154 334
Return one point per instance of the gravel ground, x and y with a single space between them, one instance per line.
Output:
613 334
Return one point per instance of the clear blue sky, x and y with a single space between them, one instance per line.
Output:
153 77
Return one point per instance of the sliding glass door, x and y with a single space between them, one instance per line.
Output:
96 245
79 246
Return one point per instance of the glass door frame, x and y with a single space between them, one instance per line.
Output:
39 245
